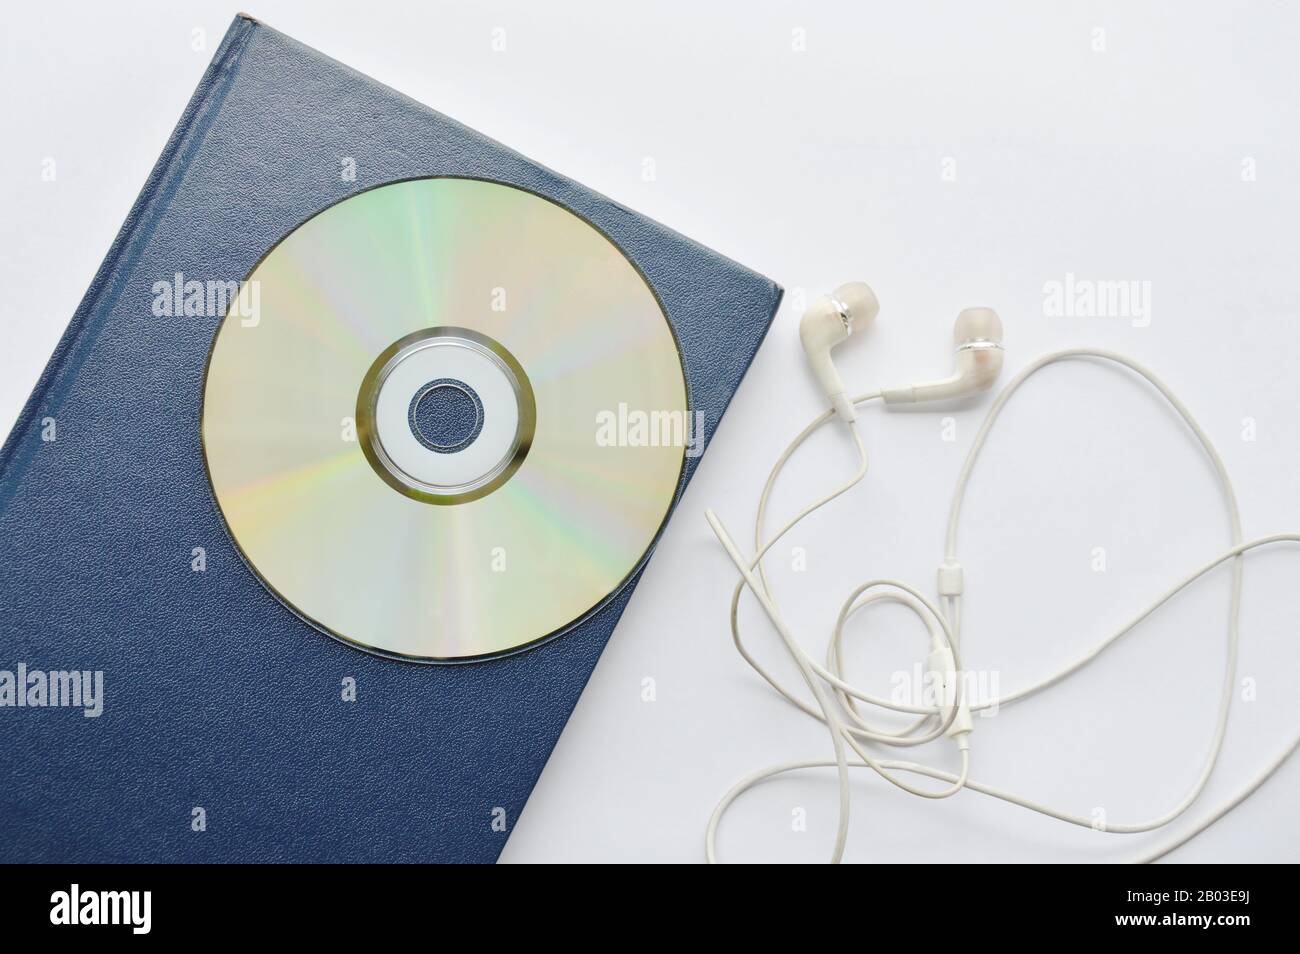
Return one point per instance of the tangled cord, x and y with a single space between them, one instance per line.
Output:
837 701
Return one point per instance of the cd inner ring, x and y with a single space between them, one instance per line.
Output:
395 448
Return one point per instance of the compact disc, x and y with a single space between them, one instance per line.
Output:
446 419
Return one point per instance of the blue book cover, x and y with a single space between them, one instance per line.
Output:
213 723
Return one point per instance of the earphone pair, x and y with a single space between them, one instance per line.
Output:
832 319
836 702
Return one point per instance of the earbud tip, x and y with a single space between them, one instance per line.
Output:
860 301
977 324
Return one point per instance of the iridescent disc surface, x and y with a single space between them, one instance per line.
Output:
546 312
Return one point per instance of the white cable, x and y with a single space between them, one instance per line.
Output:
836 700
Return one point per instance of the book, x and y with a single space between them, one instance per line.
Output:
210 723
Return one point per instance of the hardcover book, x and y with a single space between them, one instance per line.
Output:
158 702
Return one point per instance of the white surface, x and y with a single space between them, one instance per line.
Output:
816 168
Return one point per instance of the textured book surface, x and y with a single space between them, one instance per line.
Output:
223 735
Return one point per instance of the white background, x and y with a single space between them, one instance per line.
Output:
817 167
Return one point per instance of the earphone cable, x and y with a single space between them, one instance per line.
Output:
845 721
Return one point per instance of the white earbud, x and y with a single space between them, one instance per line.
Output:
978 334
828 321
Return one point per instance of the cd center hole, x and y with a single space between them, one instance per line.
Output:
446 415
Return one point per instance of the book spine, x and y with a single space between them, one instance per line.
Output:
115 270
